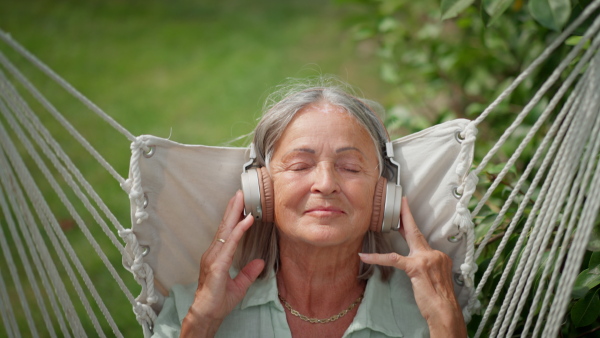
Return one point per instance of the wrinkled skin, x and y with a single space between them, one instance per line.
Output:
430 272
324 171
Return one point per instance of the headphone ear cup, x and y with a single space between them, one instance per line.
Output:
393 204
251 190
378 205
266 195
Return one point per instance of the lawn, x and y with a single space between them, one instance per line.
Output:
194 71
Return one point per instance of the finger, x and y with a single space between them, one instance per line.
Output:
236 209
223 236
232 241
228 211
231 218
411 233
220 254
231 201
389 259
232 215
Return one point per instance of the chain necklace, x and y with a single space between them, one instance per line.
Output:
317 320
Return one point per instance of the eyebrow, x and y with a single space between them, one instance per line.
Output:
304 150
347 149
312 151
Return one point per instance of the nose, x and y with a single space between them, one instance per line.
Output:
325 180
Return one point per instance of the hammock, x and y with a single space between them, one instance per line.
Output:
178 194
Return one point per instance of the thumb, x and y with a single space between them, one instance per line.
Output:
249 274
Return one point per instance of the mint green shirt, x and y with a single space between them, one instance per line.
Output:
387 310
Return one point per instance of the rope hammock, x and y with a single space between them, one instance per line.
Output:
552 224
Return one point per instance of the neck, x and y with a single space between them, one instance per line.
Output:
319 281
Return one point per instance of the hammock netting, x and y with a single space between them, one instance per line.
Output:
47 287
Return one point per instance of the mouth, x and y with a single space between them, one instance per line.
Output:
323 211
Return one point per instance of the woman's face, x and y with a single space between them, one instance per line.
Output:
324 170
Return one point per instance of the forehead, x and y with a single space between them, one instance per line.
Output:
323 126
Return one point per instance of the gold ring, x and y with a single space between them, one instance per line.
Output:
221 240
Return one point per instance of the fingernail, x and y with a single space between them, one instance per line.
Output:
365 257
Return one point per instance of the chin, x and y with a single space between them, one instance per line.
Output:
327 235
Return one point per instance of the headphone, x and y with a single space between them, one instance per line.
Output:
259 198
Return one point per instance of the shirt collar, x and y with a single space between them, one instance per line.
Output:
374 313
262 292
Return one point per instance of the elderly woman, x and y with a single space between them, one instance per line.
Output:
317 270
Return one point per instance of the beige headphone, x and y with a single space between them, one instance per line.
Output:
259 198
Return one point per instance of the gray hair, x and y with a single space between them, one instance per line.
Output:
260 241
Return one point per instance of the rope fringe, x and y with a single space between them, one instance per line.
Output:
462 217
133 259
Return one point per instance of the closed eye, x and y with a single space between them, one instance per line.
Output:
350 168
350 162
298 167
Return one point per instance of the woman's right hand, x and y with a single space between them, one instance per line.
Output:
217 293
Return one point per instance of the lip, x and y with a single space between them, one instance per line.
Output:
324 210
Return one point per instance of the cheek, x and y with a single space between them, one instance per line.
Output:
361 198
288 196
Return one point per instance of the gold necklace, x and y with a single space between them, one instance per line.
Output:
317 320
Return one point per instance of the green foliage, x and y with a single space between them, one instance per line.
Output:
550 13
443 69
495 8
589 278
194 71
451 8
586 310
594 243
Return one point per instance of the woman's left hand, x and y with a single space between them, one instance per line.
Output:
430 272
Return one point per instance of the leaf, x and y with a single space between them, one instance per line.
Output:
496 168
586 280
495 8
551 14
485 17
586 310
483 227
594 259
451 8
573 40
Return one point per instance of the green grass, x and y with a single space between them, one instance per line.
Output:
196 71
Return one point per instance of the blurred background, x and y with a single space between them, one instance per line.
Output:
199 71
196 72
